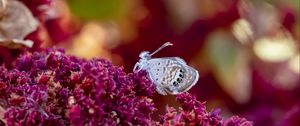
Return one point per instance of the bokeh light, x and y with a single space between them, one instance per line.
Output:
246 51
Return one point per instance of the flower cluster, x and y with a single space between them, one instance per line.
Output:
52 88
193 112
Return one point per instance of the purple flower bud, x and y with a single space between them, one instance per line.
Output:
193 112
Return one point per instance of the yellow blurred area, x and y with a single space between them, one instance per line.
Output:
242 30
275 48
294 64
90 42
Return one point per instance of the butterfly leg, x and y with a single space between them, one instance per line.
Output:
135 66
140 65
160 90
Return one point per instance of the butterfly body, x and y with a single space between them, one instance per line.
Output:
170 74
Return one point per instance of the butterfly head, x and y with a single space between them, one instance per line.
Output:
145 55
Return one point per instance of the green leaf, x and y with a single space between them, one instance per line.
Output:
230 65
96 9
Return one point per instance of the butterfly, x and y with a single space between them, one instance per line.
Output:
171 75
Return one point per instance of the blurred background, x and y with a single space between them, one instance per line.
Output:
246 51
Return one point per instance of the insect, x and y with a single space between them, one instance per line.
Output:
171 75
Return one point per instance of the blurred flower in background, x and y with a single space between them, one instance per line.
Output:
247 51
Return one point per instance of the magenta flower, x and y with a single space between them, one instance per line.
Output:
193 113
52 88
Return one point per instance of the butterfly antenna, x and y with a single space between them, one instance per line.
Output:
161 47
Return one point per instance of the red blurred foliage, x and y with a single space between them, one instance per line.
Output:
154 30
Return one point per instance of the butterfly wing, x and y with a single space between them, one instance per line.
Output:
191 77
172 75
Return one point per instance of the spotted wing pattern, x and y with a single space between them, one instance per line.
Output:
171 75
